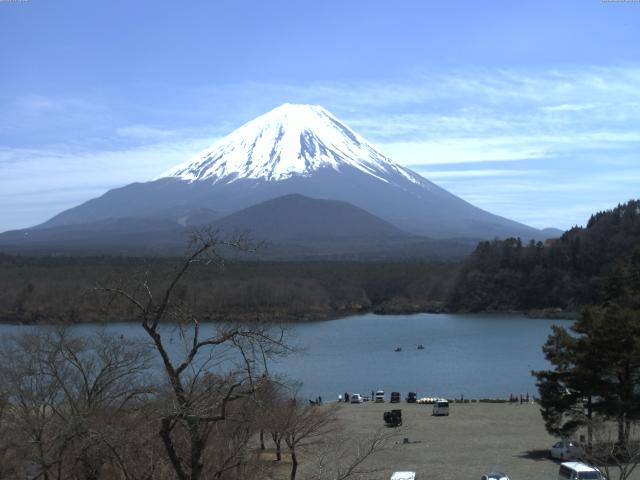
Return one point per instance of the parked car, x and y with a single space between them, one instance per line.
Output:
356 398
412 397
494 476
441 407
566 449
395 397
379 396
403 476
392 418
579 471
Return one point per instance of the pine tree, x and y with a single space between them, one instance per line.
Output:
596 371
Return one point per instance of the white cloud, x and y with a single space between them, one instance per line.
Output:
145 132
462 150
571 107
506 147
464 174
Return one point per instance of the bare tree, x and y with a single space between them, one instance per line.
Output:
197 398
272 405
304 424
64 392
277 425
28 394
345 457
610 454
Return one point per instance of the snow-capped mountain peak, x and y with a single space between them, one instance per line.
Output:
291 150
290 140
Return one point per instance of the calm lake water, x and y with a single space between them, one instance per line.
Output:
487 355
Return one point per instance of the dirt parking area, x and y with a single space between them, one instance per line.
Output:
474 439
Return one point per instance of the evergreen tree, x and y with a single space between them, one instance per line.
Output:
596 371
566 392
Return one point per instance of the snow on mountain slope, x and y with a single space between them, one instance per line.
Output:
290 140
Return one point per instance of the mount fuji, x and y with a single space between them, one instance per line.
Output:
289 141
290 151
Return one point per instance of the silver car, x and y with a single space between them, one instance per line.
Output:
494 476
566 449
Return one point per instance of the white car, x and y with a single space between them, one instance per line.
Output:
403 476
356 398
494 476
579 471
566 449
441 407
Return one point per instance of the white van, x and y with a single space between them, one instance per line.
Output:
379 396
404 476
579 471
441 407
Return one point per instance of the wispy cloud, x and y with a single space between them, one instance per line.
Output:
462 150
146 132
571 107
464 174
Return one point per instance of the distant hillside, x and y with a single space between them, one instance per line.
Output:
588 265
296 227
117 236
291 227
296 218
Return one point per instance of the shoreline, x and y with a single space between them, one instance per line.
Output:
537 314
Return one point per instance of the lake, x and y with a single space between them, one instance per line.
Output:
475 355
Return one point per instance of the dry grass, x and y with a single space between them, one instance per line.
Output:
474 439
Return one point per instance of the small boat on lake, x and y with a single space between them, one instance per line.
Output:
398 349
420 347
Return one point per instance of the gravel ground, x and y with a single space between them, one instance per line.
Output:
474 439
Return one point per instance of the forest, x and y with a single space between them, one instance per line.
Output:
63 289
585 266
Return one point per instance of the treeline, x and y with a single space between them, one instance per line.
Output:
63 289
586 266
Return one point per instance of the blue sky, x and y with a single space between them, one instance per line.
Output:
530 110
